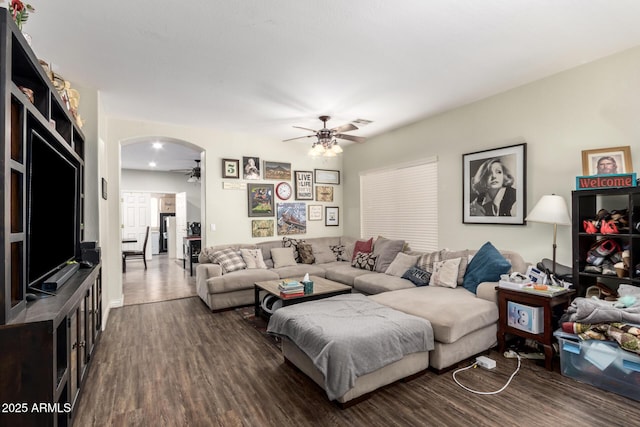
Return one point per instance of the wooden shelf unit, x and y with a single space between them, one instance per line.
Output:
585 206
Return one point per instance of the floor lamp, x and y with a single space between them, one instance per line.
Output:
551 209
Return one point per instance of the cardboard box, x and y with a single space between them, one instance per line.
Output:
525 318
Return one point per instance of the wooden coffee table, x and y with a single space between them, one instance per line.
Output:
322 288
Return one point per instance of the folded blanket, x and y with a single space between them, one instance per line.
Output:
587 310
348 336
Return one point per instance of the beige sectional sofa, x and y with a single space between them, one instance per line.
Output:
464 323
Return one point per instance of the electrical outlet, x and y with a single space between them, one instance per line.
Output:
485 362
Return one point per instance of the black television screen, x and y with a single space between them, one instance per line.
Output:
52 209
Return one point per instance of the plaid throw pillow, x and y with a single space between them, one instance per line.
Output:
426 261
364 261
229 260
288 242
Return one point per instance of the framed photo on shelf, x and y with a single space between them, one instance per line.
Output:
324 193
231 168
325 176
494 187
315 212
260 199
303 181
277 170
251 168
603 161
331 217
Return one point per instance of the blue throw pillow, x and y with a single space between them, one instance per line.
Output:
486 266
417 276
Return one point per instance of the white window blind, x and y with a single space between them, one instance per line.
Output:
401 202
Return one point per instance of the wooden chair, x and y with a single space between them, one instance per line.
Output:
136 254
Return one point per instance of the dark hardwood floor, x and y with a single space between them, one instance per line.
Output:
176 363
164 279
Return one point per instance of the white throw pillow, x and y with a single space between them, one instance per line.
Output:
401 263
282 257
253 258
445 273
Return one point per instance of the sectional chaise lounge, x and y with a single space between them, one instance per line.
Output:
464 323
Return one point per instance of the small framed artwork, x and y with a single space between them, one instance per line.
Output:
324 193
605 161
304 185
292 218
331 216
324 176
260 199
315 212
262 228
104 188
251 168
277 170
231 168
494 187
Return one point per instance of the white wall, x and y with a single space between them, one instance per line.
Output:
592 106
164 182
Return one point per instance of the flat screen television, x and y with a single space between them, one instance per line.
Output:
53 224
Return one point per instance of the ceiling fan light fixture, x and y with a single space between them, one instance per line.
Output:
336 148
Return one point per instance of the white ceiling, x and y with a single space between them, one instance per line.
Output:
260 67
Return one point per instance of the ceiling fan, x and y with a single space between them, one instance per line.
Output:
194 173
327 144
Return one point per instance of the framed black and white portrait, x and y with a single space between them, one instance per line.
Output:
494 187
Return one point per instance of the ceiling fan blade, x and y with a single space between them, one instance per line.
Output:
310 130
351 137
299 137
345 128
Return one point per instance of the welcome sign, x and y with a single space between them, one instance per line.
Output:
606 181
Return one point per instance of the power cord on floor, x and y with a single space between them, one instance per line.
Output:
475 364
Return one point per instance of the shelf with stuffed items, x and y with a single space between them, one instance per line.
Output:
606 237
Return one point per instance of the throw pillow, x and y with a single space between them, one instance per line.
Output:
282 257
364 261
229 259
401 264
253 258
363 246
338 251
464 261
288 242
386 251
305 251
486 266
417 276
349 244
323 253
425 262
445 273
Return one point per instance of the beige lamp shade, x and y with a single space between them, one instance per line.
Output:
550 209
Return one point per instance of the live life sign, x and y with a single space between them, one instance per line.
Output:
606 181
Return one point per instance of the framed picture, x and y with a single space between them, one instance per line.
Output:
251 168
331 217
104 188
292 218
277 170
324 176
304 185
262 228
260 199
231 168
315 212
494 187
603 161
324 193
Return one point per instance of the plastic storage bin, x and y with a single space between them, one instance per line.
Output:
602 364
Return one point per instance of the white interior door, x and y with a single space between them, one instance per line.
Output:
136 216
181 222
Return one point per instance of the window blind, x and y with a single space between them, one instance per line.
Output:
401 202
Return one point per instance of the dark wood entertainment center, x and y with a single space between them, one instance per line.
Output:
47 343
